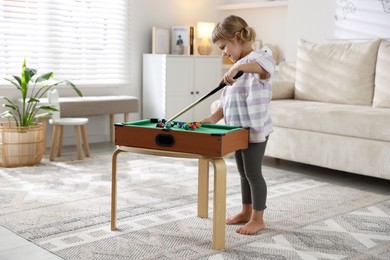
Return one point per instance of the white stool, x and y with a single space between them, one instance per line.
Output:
58 129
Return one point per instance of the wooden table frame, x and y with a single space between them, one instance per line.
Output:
219 207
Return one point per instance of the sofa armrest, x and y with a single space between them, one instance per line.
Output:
282 89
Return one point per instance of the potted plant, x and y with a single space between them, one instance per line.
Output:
22 136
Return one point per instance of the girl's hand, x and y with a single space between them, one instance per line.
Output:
214 117
228 78
207 120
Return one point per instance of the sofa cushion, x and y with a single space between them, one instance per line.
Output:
382 76
340 73
347 120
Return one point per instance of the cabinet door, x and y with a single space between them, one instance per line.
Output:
179 73
207 76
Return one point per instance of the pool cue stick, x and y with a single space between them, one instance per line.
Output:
221 86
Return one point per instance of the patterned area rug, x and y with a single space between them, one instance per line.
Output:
64 207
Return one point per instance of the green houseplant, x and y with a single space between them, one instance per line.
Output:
22 137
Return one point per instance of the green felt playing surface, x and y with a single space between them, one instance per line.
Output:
203 129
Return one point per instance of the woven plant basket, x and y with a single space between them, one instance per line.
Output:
21 146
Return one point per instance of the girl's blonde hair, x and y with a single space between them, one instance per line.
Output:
228 27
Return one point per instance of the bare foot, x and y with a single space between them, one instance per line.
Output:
239 218
251 228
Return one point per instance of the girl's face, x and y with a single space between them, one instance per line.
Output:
231 49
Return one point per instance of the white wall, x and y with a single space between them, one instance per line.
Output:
269 23
324 20
309 20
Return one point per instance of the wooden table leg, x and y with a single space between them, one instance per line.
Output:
219 211
113 189
78 142
85 140
219 205
203 188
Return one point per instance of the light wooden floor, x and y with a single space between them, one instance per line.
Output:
14 247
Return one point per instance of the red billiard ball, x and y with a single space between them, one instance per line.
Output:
160 125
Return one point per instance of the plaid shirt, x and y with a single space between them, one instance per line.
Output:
245 103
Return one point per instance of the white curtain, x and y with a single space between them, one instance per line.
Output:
85 41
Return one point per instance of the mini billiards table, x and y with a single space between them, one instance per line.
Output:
208 140
207 143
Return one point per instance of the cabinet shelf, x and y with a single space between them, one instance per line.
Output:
251 5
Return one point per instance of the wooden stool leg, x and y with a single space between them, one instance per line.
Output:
78 142
112 128
60 136
203 188
54 139
113 189
85 140
219 213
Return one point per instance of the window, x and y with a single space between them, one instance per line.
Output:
85 41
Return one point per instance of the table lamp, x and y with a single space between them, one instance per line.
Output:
204 31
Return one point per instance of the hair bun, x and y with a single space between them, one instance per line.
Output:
248 33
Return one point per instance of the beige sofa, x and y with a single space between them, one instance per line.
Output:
331 108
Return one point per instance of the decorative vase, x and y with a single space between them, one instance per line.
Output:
21 146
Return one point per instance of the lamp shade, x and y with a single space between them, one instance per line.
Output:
204 31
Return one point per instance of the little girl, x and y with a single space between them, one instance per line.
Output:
244 102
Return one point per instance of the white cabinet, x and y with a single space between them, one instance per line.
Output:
172 82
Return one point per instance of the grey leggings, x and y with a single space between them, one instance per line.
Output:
253 186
